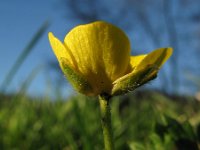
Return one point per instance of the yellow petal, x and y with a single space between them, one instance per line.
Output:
136 60
101 52
156 58
59 49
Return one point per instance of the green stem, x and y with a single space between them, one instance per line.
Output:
106 122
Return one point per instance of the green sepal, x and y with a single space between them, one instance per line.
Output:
76 79
147 70
134 80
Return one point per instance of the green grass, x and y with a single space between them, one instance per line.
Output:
141 121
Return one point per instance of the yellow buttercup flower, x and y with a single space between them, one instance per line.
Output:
96 59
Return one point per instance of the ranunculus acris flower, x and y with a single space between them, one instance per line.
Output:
96 59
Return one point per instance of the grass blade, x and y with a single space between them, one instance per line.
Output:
28 49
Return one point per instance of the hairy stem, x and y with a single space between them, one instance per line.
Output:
106 122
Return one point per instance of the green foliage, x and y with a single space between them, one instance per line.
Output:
141 121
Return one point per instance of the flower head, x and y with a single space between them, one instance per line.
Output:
96 59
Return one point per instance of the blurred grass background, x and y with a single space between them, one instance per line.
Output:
147 119
143 120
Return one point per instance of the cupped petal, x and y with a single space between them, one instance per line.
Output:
144 71
156 58
136 60
59 49
101 52
67 65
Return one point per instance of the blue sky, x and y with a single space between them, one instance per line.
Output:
20 20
